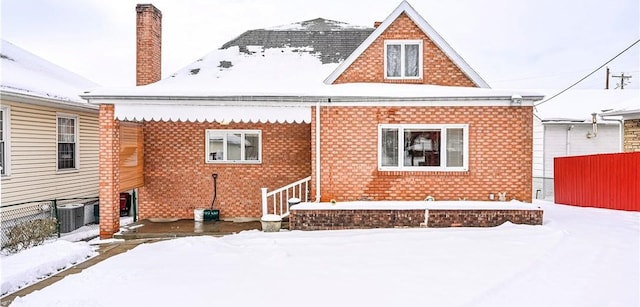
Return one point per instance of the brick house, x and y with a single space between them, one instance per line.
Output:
356 113
631 126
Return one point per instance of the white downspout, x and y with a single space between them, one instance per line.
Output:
620 132
318 151
568 148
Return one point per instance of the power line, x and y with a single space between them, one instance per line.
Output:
589 75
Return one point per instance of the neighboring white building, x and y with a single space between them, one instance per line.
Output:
563 126
49 145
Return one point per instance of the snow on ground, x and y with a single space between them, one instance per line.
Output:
579 257
32 265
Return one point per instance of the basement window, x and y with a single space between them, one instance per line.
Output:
423 147
234 146
403 59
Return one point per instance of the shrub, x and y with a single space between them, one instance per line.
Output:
28 234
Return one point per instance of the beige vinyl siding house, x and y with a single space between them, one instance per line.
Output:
50 134
32 172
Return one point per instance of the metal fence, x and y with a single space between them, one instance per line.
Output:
602 181
24 215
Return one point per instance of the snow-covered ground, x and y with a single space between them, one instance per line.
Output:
32 265
579 257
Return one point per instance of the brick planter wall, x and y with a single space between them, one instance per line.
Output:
354 219
388 218
482 218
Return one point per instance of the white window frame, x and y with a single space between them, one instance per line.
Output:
402 44
443 157
226 133
6 138
76 153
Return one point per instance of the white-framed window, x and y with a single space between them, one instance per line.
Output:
403 59
423 147
67 141
233 146
5 162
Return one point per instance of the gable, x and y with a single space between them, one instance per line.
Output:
441 65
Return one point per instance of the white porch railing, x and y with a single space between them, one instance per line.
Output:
275 202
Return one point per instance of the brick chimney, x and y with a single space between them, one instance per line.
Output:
376 24
148 44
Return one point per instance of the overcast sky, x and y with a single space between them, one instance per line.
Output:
535 44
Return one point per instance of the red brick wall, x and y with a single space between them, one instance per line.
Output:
148 44
500 154
438 69
109 174
177 179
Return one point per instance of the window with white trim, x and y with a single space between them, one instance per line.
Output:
403 59
4 141
233 146
67 139
423 147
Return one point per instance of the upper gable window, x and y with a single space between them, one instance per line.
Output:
403 59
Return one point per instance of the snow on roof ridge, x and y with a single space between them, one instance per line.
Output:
316 25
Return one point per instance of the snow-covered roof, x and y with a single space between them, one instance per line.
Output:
27 74
578 104
318 24
406 8
293 73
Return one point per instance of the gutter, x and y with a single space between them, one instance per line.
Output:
48 102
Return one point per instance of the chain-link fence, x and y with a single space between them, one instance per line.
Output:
28 224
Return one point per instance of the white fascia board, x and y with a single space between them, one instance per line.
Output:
426 28
48 102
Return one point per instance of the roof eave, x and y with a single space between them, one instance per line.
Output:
49 102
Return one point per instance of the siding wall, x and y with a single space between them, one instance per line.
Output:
500 154
538 158
33 173
559 141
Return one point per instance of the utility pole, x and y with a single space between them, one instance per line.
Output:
623 79
606 84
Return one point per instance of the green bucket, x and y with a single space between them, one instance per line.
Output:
211 215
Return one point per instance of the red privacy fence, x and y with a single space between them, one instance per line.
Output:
609 181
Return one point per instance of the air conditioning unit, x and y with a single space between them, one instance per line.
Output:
70 217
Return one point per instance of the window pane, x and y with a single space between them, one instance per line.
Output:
411 60
66 155
455 147
233 146
422 147
216 146
393 60
389 147
251 146
2 125
2 171
66 130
